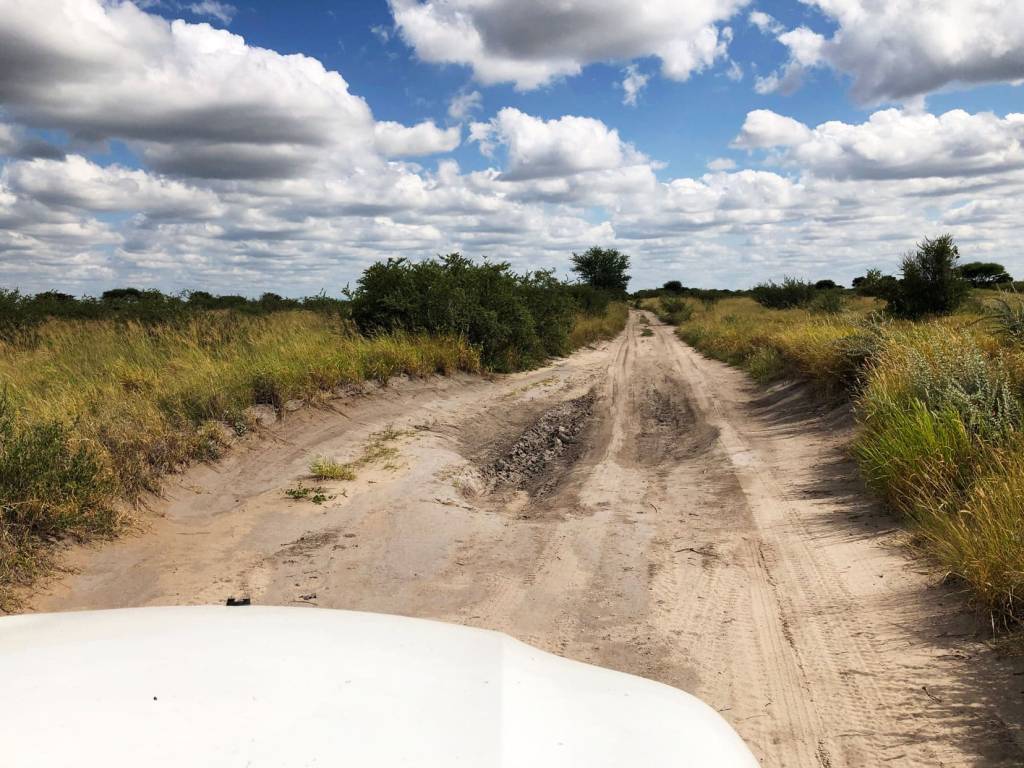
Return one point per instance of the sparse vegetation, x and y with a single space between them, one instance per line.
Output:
375 450
300 492
323 468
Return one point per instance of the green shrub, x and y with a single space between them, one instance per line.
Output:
674 311
930 284
876 285
516 321
827 302
52 484
785 295
765 365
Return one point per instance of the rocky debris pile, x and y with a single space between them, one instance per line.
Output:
553 436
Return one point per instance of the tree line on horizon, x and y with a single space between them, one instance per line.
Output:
932 281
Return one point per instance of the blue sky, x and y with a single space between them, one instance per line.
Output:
682 124
252 146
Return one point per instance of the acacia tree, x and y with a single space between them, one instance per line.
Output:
602 268
985 274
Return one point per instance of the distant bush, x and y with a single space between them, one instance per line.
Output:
930 284
673 286
21 313
825 285
589 300
515 320
674 310
790 293
827 302
876 285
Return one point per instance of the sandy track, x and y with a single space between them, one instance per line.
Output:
684 525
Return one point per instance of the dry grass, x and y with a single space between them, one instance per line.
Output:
94 413
323 468
590 328
940 410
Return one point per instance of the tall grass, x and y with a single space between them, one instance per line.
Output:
773 344
93 413
940 406
589 328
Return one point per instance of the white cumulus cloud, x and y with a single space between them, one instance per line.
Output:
397 140
893 144
532 42
552 148
900 50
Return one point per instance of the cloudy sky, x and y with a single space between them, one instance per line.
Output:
252 146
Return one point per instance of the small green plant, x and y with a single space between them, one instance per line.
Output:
646 332
323 468
377 449
302 492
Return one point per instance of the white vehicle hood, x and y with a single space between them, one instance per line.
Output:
254 686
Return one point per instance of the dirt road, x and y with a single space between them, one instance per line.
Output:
636 506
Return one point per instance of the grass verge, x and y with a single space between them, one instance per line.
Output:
92 414
590 328
940 410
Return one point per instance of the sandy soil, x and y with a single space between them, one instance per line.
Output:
636 506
